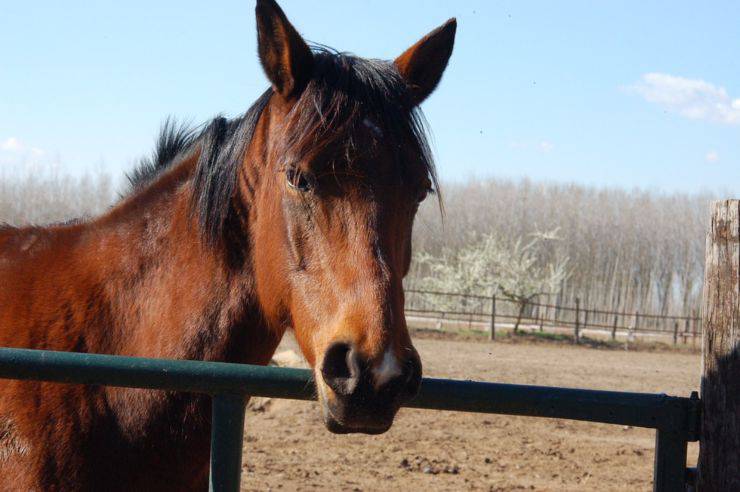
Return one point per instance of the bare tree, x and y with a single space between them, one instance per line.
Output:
626 250
46 197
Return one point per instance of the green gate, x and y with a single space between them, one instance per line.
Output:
675 419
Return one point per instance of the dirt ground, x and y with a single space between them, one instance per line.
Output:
287 448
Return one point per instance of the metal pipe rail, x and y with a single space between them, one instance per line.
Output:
674 418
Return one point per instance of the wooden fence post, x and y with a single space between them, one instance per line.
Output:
493 317
614 327
719 449
696 327
585 319
686 329
675 333
541 314
577 334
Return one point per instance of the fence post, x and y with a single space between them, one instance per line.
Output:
541 315
585 318
669 466
614 327
493 317
686 329
577 334
227 436
719 448
675 333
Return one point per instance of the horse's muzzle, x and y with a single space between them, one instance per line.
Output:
359 396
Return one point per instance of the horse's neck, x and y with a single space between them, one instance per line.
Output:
171 294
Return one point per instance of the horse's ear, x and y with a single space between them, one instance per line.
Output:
285 56
423 64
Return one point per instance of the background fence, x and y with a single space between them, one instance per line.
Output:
489 312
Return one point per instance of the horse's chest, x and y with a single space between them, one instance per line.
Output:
165 438
121 439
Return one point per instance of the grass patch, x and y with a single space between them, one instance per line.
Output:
539 335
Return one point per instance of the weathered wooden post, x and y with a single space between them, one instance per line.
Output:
686 329
633 330
541 314
675 333
585 319
577 333
493 317
614 327
697 324
719 451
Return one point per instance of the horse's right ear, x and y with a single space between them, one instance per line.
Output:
285 56
422 65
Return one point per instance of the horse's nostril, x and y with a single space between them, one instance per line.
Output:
413 377
341 368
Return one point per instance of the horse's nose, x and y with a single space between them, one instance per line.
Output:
346 372
341 369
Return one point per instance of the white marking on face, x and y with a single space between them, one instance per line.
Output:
388 369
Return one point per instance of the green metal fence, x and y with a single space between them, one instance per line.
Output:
674 418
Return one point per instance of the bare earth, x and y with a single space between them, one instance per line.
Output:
286 446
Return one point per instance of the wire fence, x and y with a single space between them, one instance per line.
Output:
489 312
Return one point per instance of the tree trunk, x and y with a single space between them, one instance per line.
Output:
522 307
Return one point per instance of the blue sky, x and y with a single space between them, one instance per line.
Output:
629 94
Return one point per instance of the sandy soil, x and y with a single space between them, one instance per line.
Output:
286 446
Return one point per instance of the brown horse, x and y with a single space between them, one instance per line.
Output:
297 214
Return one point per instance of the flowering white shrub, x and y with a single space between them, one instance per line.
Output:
514 270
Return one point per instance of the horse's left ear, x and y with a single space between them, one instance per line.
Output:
285 56
423 64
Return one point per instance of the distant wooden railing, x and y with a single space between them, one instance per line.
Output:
489 311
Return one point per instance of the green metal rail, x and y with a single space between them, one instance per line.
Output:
675 419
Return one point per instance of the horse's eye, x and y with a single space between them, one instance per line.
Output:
423 194
298 180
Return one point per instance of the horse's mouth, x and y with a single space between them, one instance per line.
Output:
338 422
336 427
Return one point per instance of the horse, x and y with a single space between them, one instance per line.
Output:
296 215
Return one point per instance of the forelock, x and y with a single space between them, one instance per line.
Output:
350 96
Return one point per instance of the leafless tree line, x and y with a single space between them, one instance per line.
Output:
627 250
46 196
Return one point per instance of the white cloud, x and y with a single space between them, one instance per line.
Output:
692 98
546 146
712 156
15 154
11 144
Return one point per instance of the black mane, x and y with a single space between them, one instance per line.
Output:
342 93
172 141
